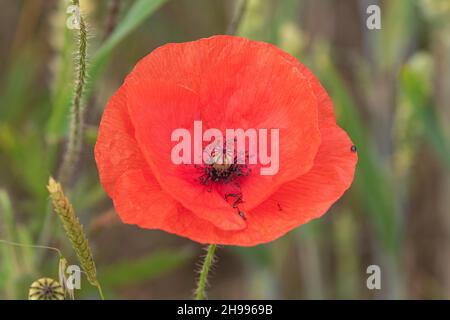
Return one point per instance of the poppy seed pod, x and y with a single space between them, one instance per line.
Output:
46 289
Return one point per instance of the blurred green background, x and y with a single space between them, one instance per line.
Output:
391 90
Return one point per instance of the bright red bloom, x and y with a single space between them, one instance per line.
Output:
226 82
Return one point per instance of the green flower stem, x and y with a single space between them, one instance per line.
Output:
100 291
202 281
17 244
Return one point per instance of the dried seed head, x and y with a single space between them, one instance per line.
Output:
73 229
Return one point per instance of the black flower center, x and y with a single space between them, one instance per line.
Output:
224 171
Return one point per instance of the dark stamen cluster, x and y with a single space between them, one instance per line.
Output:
216 172
225 173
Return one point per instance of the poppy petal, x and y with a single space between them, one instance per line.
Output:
243 84
116 150
311 195
157 109
140 200
295 203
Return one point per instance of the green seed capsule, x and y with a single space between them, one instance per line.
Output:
46 289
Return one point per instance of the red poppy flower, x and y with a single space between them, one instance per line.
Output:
225 82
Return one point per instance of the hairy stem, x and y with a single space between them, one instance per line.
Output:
76 125
200 293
